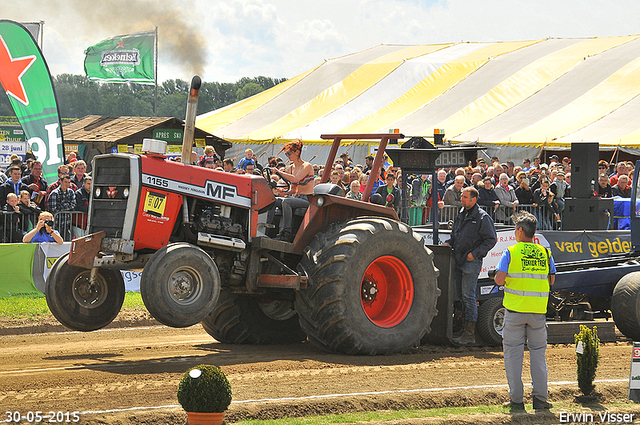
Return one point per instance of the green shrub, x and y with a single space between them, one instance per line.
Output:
588 360
207 392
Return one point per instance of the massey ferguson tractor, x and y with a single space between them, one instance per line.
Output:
355 279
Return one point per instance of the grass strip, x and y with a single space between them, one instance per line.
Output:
34 307
443 412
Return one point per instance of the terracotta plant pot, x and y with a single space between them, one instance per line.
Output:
198 418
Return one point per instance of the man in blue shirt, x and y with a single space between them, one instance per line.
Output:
527 271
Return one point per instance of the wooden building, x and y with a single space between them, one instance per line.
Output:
98 134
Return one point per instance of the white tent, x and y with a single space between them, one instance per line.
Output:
512 97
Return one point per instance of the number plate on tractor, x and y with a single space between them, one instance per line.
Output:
155 203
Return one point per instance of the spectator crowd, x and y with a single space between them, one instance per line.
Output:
28 195
503 187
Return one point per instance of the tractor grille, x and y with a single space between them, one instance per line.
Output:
111 175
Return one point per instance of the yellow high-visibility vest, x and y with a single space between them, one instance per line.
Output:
527 284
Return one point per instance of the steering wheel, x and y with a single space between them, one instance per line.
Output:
266 173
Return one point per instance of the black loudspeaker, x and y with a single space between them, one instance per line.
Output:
584 168
587 214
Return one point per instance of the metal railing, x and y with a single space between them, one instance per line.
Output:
422 215
13 226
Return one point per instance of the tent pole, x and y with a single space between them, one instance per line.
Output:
155 76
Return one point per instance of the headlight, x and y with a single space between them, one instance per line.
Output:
98 192
320 201
125 192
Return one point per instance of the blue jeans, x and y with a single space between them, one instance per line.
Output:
467 275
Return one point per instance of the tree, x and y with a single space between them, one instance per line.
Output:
248 90
78 96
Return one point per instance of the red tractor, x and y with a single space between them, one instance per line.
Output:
355 279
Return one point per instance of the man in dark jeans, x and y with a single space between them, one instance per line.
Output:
472 236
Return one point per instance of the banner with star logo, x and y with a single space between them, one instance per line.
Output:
25 77
122 59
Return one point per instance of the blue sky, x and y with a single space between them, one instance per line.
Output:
224 40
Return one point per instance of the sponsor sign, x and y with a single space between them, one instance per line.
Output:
126 58
565 246
168 135
70 148
9 148
569 246
634 376
25 77
11 134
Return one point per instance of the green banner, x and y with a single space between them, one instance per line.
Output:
11 133
16 263
168 135
122 59
25 77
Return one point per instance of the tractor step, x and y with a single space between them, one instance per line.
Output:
288 281
271 244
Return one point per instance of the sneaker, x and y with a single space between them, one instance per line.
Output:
541 404
513 406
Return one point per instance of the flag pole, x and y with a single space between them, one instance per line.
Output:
155 76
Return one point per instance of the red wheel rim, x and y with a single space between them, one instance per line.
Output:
386 291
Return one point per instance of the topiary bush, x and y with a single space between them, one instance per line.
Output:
204 389
588 359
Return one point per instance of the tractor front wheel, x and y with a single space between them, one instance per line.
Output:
491 321
80 303
180 285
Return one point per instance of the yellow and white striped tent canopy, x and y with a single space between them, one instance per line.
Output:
547 92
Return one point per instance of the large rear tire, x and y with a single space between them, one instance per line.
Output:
491 321
242 319
372 288
79 304
625 305
180 285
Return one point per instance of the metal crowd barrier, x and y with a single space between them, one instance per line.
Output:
70 224
13 226
422 215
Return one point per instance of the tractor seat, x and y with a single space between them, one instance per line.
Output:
300 212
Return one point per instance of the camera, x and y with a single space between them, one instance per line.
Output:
49 222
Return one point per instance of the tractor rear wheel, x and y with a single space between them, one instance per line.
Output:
180 285
372 288
80 304
242 319
625 305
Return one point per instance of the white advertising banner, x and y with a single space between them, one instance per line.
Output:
50 252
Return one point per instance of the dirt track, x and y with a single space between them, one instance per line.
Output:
103 373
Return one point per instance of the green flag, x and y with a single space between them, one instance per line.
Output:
25 77
122 59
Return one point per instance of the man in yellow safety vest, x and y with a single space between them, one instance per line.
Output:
527 271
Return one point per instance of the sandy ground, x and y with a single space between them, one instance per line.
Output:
129 372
